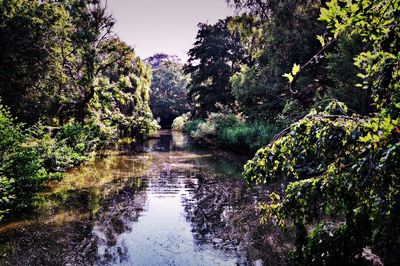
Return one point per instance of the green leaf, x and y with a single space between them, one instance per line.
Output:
288 76
295 69
321 39
324 14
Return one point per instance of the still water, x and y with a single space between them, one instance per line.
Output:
165 205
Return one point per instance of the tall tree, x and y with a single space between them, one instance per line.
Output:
215 57
90 52
122 94
61 59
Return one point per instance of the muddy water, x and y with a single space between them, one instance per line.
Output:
169 204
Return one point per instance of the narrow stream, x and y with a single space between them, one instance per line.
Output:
167 205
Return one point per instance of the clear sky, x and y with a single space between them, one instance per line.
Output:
164 26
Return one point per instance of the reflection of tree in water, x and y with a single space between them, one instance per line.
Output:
67 236
85 220
224 213
60 230
126 209
116 217
167 142
212 203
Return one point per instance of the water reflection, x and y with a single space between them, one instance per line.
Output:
163 234
164 206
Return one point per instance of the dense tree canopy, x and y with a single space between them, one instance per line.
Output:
283 33
31 35
343 168
66 63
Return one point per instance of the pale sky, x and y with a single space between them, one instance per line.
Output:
164 26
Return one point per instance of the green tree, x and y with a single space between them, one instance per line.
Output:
31 33
90 51
61 59
276 34
168 91
122 95
215 57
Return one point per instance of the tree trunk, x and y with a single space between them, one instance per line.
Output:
82 107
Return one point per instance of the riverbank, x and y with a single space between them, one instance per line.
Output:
228 132
31 157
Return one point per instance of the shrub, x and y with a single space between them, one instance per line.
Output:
7 194
70 146
82 138
246 137
215 122
221 120
204 132
193 125
24 168
180 122
21 169
30 158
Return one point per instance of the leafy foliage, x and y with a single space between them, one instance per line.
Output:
62 62
121 100
342 74
228 131
276 35
31 157
74 84
70 146
31 34
215 122
179 123
342 168
246 137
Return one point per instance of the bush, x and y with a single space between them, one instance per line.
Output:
205 132
30 158
82 138
221 120
228 131
193 125
215 122
22 173
70 147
